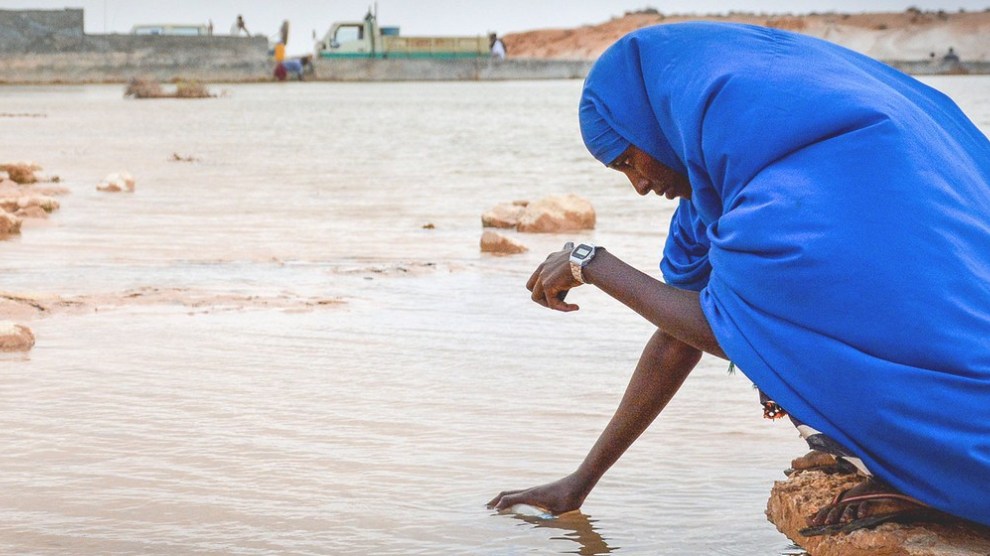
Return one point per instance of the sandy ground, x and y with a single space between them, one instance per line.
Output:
909 35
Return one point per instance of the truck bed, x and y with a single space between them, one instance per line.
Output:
433 47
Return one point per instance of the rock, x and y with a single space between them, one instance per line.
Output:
32 212
117 181
814 458
43 202
15 337
45 177
792 501
9 224
176 157
149 88
560 213
494 242
21 172
504 215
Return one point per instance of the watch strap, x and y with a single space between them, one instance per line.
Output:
581 255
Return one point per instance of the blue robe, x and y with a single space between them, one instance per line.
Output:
838 234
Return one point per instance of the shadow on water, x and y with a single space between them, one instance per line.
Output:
577 527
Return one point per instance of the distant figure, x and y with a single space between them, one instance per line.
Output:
239 26
497 46
294 68
209 28
951 57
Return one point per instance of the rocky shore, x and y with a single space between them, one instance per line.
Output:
25 194
804 491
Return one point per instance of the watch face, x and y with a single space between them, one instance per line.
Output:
582 251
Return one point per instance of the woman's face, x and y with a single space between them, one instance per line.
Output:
648 174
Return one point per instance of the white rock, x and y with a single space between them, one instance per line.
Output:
117 181
15 337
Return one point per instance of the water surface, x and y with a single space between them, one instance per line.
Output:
377 424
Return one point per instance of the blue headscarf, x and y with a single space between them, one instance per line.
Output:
838 234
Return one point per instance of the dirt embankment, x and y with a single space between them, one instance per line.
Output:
910 35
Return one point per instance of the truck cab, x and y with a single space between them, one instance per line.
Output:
365 39
350 39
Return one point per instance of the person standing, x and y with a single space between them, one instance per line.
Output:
238 27
497 47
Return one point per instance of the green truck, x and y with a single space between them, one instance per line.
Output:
365 39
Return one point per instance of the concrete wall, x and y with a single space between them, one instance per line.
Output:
927 67
480 69
39 46
40 30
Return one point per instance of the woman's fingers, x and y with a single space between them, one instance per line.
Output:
531 283
555 301
543 283
538 295
494 502
508 500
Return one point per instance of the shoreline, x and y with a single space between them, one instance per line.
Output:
395 71
50 47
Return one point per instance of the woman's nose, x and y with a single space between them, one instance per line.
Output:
641 185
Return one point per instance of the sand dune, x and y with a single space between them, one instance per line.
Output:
909 35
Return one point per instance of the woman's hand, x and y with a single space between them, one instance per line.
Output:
557 497
553 279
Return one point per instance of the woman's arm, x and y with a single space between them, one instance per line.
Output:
674 311
661 370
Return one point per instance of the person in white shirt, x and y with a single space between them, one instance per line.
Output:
497 46
239 26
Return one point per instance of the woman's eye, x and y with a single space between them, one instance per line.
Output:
621 164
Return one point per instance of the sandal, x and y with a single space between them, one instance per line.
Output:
843 500
903 516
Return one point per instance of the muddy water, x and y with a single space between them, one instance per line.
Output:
269 352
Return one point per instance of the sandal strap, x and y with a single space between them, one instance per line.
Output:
839 502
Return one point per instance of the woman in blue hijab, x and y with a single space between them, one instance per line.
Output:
832 240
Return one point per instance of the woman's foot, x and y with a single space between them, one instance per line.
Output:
867 504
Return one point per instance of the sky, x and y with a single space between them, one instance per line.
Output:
432 17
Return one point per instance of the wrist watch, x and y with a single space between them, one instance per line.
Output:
581 255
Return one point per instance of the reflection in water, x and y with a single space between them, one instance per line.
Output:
578 527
